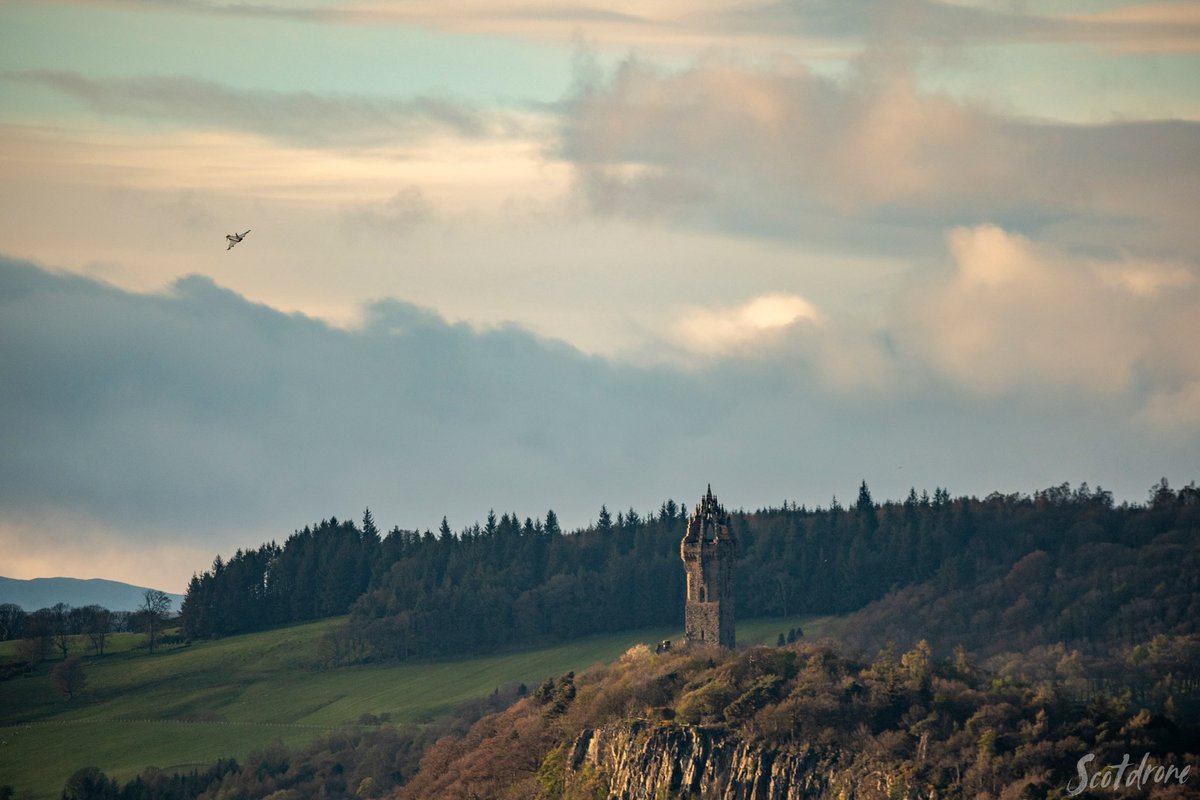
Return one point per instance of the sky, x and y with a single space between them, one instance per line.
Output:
550 255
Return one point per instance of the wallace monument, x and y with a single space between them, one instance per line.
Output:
708 550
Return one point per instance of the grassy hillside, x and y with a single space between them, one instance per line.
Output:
116 643
188 706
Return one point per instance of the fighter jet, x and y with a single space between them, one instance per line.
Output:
234 238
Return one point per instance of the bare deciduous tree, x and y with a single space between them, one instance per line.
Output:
97 624
12 621
154 609
61 616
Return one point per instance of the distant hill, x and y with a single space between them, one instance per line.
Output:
45 592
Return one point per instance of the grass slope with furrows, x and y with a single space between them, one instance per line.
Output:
185 707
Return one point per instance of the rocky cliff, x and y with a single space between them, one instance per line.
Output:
805 722
636 760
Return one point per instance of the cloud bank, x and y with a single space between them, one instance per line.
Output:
191 421
1013 313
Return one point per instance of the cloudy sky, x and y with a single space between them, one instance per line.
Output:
533 255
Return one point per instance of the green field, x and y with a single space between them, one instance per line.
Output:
188 706
116 643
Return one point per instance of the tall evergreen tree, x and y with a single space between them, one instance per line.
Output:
865 507
368 525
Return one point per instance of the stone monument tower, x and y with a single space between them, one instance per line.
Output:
708 550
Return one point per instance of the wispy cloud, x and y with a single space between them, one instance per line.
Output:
1137 27
1171 27
1133 27
301 118
477 175
283 9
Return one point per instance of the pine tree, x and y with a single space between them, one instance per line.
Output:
368 526
605 523
866 508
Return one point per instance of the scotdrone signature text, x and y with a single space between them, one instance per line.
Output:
1113 775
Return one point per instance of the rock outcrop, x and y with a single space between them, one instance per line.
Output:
636 760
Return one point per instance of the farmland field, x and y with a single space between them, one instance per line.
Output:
184 707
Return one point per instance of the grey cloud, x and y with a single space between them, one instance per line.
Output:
194 416
868 159
296 117
196 404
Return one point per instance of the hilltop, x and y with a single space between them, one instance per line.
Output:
806 721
